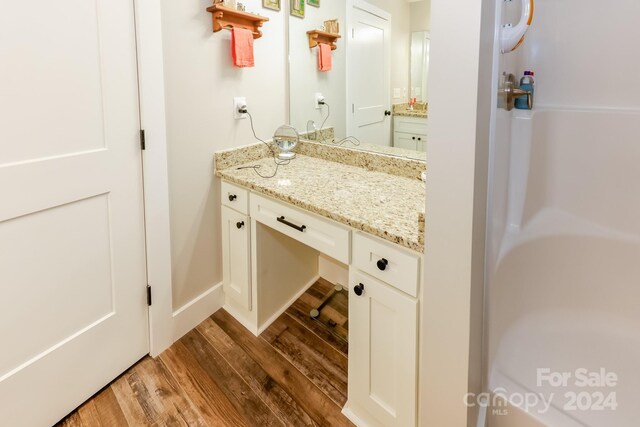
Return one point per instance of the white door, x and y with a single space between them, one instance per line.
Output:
369 74
382 352
73 312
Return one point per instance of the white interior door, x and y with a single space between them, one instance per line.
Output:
369 73
73 311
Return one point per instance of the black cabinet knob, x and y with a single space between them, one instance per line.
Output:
240 224
413 137
358 289
382 264
387 113
419 139
232 197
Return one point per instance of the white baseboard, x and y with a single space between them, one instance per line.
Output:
359 417
351 416
288 304
197 310
240 317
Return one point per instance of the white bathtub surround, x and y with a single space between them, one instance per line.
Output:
564 271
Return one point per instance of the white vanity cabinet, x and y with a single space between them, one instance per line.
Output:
270 255
410 133
383 333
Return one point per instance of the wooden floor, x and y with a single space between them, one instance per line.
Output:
219 374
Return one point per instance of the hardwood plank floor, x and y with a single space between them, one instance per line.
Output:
219 374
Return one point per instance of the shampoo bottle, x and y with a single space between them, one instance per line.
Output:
526 83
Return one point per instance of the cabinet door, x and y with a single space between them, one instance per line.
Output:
405 140
382 351
236 257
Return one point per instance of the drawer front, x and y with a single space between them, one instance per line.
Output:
312 230
413 125
235 197
399 268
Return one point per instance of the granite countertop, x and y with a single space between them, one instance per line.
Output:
384 205
409 113
421 110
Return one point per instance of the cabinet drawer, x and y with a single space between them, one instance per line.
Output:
392 265
235 197
312 230
413 125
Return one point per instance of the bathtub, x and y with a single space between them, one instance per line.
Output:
563 270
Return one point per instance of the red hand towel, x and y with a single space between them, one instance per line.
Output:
242 47
325 60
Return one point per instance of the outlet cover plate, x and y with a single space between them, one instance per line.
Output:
238 102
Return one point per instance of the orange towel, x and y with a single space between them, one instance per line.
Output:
242 47
325 60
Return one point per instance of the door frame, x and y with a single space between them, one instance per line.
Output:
148 23
374 10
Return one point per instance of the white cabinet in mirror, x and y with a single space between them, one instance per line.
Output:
379 66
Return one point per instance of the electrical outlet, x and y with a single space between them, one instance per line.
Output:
318 98
397 93
239 103
404 93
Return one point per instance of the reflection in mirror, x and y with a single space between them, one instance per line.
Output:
419 64
372 93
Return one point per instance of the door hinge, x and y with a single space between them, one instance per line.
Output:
149 295
143 140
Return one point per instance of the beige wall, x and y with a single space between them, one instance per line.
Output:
200 86
420 15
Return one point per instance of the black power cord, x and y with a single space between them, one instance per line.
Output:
273 153
352 139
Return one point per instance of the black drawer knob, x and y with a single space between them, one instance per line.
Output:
232 197
382 264
358 289
413 137
240 224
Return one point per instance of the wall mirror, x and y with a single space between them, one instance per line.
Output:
378 67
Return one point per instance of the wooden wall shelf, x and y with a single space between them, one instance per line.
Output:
317 36
224 17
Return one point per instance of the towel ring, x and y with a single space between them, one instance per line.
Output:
511 37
